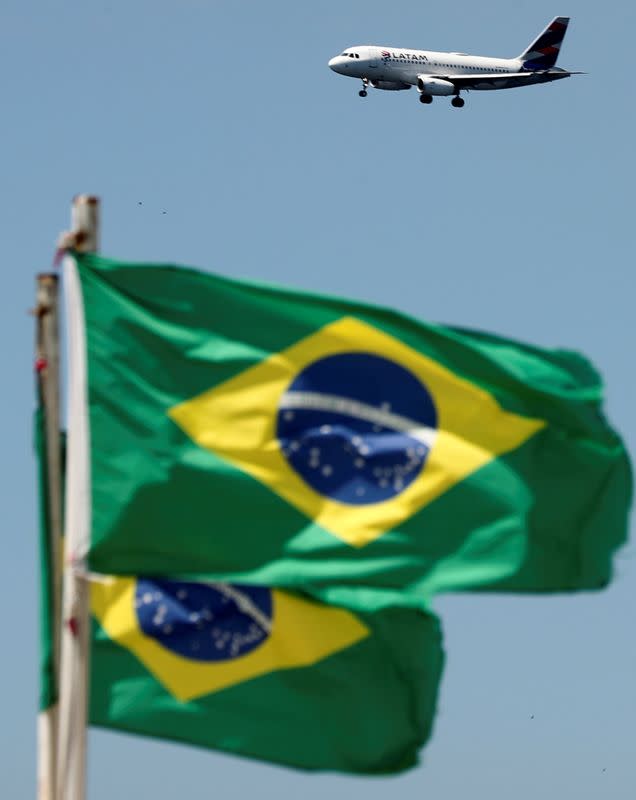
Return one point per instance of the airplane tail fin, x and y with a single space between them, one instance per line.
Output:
544 51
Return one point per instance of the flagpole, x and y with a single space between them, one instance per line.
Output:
75 630
47 364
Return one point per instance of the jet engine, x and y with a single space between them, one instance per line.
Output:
390 86
434 86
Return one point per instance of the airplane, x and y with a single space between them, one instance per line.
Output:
439 74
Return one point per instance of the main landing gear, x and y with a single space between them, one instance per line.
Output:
365 85
456 102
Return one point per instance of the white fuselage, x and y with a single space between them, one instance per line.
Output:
400 65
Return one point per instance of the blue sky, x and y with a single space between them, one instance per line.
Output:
514 215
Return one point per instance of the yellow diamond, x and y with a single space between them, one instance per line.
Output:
237 421
302 633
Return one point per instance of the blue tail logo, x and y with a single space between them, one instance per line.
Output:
544 51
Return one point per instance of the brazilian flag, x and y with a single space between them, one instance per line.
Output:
229 431
263 673
249 670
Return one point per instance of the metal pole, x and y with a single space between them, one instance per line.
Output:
48 376
75 633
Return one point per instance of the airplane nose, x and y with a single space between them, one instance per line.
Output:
333 62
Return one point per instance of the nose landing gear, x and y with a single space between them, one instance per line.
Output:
365 85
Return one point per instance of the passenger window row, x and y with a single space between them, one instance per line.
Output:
463 66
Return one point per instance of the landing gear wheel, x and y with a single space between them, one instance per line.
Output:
362 92
426 99
458 102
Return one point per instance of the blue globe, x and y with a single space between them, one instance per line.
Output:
202 622
356 427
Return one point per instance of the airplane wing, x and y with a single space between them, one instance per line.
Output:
508 80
